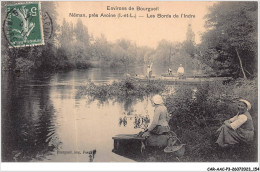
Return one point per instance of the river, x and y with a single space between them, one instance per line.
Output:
44 120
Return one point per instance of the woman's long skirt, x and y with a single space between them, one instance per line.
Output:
159 136
228 136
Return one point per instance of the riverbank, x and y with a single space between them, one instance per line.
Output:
202 116
196 115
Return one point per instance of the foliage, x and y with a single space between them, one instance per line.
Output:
172 54
121 53
124 89
83 50
74 49
71 46
23 64
232 33
189 44
196 120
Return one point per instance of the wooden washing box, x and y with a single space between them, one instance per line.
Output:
126 142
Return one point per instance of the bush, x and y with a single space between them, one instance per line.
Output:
124 89
196 119
24 65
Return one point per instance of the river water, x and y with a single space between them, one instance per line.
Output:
44 120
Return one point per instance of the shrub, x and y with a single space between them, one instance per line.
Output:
196 119
24 65
124 89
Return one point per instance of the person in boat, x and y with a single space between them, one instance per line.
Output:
149 71
180 72
238 129
169 71
128 75
158 133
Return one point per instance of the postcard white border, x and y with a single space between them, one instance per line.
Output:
170 166
121 166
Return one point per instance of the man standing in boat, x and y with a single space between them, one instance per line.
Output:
169 71
180 72
149 71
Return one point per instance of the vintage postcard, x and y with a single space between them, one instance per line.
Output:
130 81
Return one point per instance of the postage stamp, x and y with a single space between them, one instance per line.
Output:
24 25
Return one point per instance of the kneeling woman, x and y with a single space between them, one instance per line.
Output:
237 129
159 131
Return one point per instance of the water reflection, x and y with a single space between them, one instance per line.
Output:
92 155
42 117
139 121
28 121
123 120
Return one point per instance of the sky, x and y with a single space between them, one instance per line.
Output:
144 30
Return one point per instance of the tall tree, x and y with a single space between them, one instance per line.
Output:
66 35
230 44
189 44
81 32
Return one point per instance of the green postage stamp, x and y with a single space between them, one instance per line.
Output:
24 25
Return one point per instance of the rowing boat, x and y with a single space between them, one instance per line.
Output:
176 80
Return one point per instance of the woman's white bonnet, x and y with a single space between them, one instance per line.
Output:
157 99
248 104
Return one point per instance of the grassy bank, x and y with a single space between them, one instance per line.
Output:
196 120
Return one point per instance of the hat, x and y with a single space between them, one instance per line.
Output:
247 103
157 99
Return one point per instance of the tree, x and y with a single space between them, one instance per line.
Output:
66 35
81 32
189 48
189 44
81 51
230 44
101 50
163 52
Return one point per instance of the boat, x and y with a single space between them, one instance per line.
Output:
129 141
173 79
134 146
187 76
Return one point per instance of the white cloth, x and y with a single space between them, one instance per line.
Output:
180 70
149 69
237 121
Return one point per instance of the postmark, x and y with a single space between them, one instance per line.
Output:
23 25
47 26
